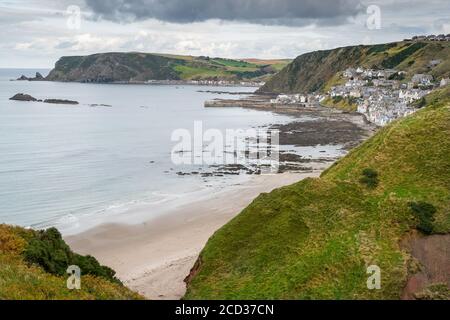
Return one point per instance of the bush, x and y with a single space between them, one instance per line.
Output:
369 178
424 212
337 99
397 76
421 103
47 249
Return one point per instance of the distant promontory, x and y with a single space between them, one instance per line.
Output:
137 67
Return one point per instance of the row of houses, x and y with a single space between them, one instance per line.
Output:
381 110
368 74
223 83
304 100
432 37
378 96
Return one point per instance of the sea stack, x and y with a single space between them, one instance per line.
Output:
37 77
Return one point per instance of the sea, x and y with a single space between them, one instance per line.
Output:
75 166
110 159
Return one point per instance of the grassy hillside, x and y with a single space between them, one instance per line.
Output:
316 71
315 239
33 266
348 104
133 66
276 64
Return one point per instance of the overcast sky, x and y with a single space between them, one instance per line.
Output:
36 33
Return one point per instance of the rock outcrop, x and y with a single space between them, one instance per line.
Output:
60 101
38 77
27 97
23 97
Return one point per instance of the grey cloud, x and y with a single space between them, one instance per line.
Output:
271 12
65 45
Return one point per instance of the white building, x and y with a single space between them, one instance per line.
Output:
445 82
425 79
349 73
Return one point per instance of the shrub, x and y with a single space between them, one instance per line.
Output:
47 249
424 212
337 99
421 103
397 76
10 242
369 178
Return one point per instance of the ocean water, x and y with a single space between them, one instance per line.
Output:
63 164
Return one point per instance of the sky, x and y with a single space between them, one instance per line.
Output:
35 34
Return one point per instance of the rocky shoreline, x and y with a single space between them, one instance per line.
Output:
313 127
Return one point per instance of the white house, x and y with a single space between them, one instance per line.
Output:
422 79
434 63
445 82
355 93
349 73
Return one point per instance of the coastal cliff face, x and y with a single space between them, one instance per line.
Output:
315 239
139 67
316 71
113 67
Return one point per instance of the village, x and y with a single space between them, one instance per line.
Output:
381 95
432 37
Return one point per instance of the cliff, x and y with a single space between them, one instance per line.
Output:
316 71
134 66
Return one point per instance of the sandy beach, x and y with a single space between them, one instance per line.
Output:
154 257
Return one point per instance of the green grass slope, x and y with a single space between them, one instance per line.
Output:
33 266
316 71
315 239
135 66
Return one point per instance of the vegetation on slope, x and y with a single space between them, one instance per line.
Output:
133 66
316 238
348 104
33 266
315 71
